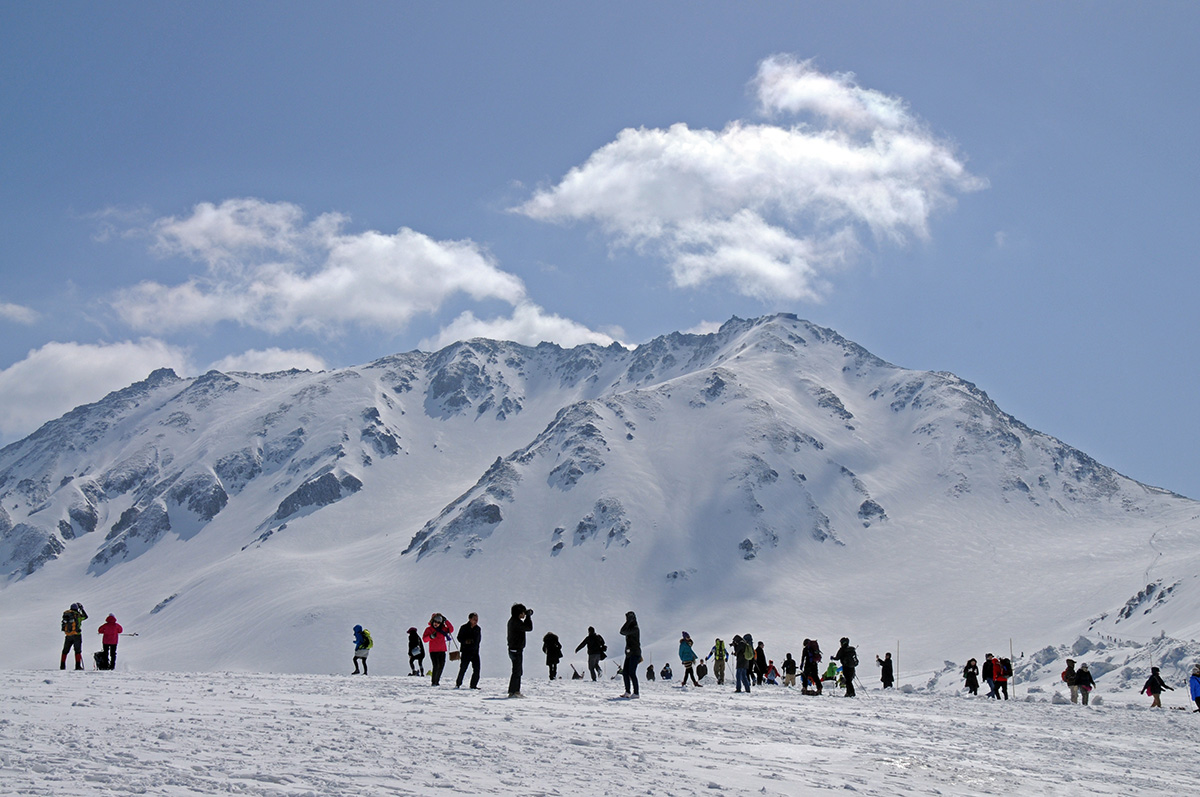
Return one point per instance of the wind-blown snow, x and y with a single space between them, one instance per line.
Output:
268 735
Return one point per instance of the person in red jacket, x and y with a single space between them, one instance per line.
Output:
436 636
110 634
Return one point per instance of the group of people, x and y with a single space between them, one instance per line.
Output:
995 674
72 628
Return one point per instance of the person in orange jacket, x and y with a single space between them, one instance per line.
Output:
110 634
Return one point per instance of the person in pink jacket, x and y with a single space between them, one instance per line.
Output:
436 636
110 634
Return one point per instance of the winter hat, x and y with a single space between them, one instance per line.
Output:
412 630
1083 666
358 628
845 640
112 618
687 636
1153 669
1070 661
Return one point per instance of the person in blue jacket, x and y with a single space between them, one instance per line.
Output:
362 646
1194 686
688 657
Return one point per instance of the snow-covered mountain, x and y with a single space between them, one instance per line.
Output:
771 477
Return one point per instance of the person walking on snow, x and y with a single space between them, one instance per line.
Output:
520 623
72 628
110 635
688 657
885 670
719 655
989 674
416 653
469 636
595 651
849 659
362 646
633 654
1085 681
436 635
810 676
1154 687
553 650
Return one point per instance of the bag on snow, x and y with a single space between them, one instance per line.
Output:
701 670
101 660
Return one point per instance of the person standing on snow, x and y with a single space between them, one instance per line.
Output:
436 635
1194 686
72 628
760 664
110 635
970 675
741 664
1069 678
789 670
719 655
1154 686
595 651
362 646
885 670
633 654
416 652
688 657
810 676
553 650
469 636
849 659
519 624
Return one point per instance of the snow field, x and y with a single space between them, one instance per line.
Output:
70 733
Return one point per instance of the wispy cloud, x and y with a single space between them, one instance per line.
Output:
58 377
18 313
269 268
773 209
266 361
528 324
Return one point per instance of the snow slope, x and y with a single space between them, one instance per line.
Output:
153 733
772 477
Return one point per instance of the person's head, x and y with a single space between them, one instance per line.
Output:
1154 670
687 637
989 657
1196 670
845 640
736 638
518 610
1070 662
357 628
1083 666
972 661
631 616
887 656
412 630
436 619
789 657
112 618
473 618
760 644
591 630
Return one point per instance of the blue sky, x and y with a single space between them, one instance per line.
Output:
1004 191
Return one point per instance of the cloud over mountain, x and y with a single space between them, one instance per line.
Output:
772 209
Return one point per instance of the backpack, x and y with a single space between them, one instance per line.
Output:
101 660
1006 667
748 653
701 670
853 658
70 623
720 649
368 643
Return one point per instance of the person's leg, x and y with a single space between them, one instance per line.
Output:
355 660
111 655
514 682
1086 692
475 671
437 663
848 673
1074 693
77 641
1157 702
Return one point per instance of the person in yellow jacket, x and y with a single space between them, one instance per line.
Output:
72 628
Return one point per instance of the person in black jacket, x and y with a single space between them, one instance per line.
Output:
633 654
970 676
553 650
760 664
519 624
595 650
1085 682
849 659
468 643
885 670
1154 686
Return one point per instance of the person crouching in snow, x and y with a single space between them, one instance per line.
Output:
362 646
110 635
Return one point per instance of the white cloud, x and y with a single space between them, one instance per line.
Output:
528 324
267 268
772 209
18 313
266 361
58 377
